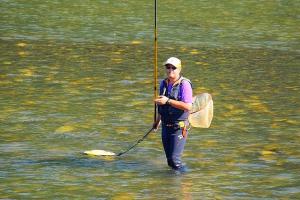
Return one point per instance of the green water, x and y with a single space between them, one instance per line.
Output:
78 75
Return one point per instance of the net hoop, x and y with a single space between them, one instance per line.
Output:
202 111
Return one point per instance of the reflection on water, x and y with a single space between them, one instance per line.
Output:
66 89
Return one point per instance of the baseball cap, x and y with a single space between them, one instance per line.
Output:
174 61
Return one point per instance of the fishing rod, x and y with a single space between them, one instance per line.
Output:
155 81
109 153
155 58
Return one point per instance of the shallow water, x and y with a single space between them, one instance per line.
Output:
76 76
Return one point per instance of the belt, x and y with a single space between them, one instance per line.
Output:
175 124
171 125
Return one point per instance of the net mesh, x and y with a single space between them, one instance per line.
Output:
202 111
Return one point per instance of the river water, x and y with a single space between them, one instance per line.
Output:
78 75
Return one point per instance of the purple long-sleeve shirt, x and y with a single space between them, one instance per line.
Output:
185 92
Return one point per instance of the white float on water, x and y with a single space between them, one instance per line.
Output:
99 153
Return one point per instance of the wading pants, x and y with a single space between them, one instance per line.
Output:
173 143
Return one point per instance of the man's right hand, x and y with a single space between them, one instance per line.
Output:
156 125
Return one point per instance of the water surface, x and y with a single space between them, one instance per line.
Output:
79 75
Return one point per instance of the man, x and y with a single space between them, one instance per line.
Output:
174 103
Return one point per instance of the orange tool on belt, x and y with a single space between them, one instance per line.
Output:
184 128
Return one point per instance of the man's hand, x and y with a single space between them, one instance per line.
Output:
161 100
156 125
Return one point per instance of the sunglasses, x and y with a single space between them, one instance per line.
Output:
171 67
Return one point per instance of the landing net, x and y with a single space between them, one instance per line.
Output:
202 111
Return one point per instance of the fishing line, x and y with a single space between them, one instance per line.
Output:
109 153
137 142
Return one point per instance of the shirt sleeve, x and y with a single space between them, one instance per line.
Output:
187 92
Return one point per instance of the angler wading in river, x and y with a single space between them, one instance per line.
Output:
174 104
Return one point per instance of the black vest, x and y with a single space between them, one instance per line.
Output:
169 114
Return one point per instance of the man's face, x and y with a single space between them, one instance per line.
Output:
172 71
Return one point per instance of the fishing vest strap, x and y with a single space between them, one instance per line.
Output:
175 84
169 114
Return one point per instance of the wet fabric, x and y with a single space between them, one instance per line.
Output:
173 143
